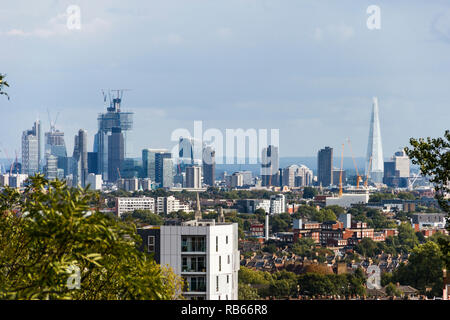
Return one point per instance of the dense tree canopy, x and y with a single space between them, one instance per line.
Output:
433 157
54 244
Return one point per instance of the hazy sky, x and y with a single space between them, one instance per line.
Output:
309 68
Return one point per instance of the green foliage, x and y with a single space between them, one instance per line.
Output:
424 269
143 217
367 247
247 292
433 157
309 192
392 290
305 211
3 84
325 215
50 228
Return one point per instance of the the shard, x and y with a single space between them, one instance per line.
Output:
374 160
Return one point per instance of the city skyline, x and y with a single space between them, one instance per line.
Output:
220 76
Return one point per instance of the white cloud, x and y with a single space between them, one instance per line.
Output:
57 26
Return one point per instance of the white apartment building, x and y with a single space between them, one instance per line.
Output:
170 204
95 180
263 204
125 204
277 204
204 252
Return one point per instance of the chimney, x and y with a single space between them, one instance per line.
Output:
267 227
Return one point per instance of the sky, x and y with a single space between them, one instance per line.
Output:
308 68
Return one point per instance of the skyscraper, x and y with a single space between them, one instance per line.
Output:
325 167
194 177
374 147
80 161
159 165
269 166
30 153
149 162
167 173
31 149
209 166
113 118
116 153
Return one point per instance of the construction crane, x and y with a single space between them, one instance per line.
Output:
411 183
52 123
368 173
340 174
358 177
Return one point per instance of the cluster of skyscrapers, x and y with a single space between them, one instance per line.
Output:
195 165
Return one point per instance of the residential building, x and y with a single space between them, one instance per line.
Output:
129 204
204 252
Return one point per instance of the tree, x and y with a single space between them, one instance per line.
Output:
424 269
325 215
246 292
433 157
51 236
367 247
392 290
3 84
309 192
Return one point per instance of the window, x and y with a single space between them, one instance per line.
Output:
217 283
151 243
228 279
229 259
226 239
220 263
217 244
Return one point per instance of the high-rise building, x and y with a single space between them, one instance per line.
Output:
237 180
325 167
269 166
149 162
374 147
51 167
190 152
95 181
116 154
54 143
31 149
194 177
167 173
159 165
113 118
206 256
30 152
80 159
209 166
397 171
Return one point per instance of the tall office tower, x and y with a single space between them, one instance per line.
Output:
189 153
31 152
194 177
38 134
167 173
113 118
159 165
397 171
374 147
51 167
304 176
116 154
209 166
92 162
269 166
149 162
54 143
325 167
79 159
